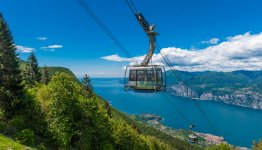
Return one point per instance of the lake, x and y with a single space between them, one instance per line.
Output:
238 125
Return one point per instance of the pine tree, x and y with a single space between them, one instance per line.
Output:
88 86
34 69
11 88
46 76
31 72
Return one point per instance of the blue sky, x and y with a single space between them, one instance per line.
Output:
192 33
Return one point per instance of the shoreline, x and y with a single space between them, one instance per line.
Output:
205 139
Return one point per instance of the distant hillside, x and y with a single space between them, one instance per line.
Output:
238 87
53 70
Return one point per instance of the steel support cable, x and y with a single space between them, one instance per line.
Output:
130 7
168 99
206 117
196 104
176 108
133 5
167 61
106 30
163 54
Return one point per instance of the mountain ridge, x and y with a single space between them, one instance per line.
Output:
242 87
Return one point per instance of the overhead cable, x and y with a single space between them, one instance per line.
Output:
106 30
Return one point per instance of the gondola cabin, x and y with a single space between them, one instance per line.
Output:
149 78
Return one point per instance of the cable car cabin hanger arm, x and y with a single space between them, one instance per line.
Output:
149 30
145 77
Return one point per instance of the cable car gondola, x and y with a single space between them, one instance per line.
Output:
151 77
145 77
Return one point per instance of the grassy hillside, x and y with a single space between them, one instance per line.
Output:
7 144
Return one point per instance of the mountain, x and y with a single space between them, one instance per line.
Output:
53 70
243 88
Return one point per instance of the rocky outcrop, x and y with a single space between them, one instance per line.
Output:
242 97
181 90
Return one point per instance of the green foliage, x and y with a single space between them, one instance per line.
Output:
88 85
41 147
7 144
33 65
33 115
2 114
156 144
26 137
7 129
10 80
257 145
18 122
30 71
46 76
97 120
76 120
222 146
153 132
127 138
42 97
64 108
73 119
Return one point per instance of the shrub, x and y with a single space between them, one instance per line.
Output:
2 114
26 137
18 122
127 138
6 129
221 146
2 127
41 147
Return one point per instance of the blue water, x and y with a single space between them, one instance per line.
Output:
238 125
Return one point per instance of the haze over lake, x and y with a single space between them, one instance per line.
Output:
238 125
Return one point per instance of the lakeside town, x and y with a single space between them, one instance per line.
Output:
202 139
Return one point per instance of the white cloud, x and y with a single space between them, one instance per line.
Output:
24 49
211 41
115 57
51 47
240 52
42 38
